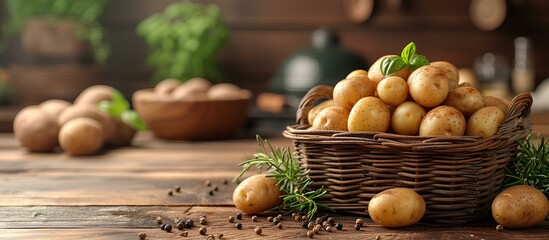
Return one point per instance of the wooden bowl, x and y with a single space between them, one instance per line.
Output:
170 118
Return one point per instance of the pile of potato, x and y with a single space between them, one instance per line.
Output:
196 89
80 128
429 101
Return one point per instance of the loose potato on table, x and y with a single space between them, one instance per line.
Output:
393 90
54 106
36 129
428 86
443 121
331 118
316 109
256 194
520 206
465 99
397 207
369 114
81 136
407 117
348 91
95 94
90 111
485 122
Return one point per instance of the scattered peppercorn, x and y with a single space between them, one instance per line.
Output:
311 225
180 226
276 221
325 224
184 234
202 231
339 226
239 216
142 235
293 214
279 225
208 183
203 220
258 230
163 226
254 218
168 228
177 188
279 216
499 228
328 228
316 229
211 193
189 223
318 220
304 218
304 224
238 226
310 234
225 181
331 221
170 192
159 220
325 217
215 188
231 219
220 236
357 227
360 222
210 237
270 219
297 218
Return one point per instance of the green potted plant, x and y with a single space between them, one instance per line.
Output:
57 28
184 40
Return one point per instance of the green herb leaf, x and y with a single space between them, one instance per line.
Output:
132 119
392 65
408 52
417 62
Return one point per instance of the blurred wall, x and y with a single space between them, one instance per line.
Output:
264 32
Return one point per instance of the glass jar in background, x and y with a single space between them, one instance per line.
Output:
493 75
523 74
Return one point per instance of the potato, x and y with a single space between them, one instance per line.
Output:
396 207
348 91
227 91
450 71
94 95
257 194
166 86
90 111
520 206
465 99
331 118
428 86
485 122
81 136
375 75
123 135
369 114
504 105
36 129
407 117
393 90
443 120
316 109
357 73
54 106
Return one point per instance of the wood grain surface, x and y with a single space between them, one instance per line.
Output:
119 193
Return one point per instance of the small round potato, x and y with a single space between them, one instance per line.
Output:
369 114
465 99
428 86
451 72
90 111
485 122
443 121
374 73
166 86
197 88
35 129
407 117
520 206
224 91
348 91
332 118
396 207
81 136
393 90
504 105
256 194
95 94
316 109
54 106
357 73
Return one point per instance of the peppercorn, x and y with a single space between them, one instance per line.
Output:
254 218
499 228
325 224
211 193
162 226
304 218
359 221
311 225
331 221
207 183
159 220
210 237
202 231
297 218
325 217
142 235
177 188
180 225
310 234
225 181
170 192
258 230
270 219
339 226
279 216
238 226
357 227
220 236
293 214
215 188
279 225
318 220
304 224
276 221
168 228
203 220
184 234
231 219
316 229
328 228
239 216
189 223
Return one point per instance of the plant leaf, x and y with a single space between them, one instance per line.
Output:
391 65
408 52
418 61
132 119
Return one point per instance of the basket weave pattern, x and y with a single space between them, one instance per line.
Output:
457 176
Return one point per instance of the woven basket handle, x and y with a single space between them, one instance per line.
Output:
307 102
520 106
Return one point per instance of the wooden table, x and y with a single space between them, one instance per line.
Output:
119 193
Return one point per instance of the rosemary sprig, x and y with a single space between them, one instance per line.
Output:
531 166
282 165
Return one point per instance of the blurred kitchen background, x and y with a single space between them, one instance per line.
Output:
493 42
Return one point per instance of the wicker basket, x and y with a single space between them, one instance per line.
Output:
457 176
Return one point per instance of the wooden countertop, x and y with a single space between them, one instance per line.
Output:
119 193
